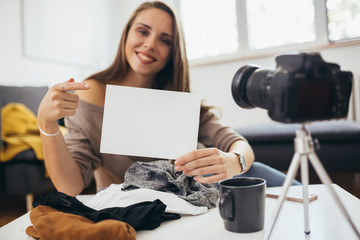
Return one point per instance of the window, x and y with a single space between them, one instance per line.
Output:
238 28
343 19
270 26
207 30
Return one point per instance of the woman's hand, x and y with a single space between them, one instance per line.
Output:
219 164
59 103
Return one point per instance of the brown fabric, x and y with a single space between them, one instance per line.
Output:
48 223
83 141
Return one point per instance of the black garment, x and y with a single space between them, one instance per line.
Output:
141 216
161 176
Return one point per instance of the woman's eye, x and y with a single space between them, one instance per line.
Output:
142 32
166 41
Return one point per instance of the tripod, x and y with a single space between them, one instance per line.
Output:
304 151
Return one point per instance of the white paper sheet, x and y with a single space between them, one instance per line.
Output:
149 123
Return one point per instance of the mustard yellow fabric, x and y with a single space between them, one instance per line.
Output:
20 132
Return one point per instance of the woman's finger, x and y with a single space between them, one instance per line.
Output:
71 105
210 179
212 169
68 112
193 155
69 96
71 86
202 162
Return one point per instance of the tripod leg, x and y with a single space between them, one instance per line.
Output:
305 183
324 177
294 166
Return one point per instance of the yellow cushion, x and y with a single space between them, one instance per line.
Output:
20 132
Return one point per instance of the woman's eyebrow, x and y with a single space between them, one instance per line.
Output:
148 27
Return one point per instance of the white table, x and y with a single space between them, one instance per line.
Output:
326 221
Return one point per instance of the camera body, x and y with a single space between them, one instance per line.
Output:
302 88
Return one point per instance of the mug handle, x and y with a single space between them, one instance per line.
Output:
226 206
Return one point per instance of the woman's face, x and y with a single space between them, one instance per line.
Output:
149 42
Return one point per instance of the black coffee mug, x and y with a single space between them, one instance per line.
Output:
242 204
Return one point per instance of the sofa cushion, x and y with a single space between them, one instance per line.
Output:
340 130
30 96
339 144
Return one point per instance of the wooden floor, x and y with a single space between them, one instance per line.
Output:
348 181
12 207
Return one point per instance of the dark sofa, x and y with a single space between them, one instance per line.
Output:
339 144
24 174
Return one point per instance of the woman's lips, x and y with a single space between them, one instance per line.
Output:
145 58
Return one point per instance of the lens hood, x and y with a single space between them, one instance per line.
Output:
238 86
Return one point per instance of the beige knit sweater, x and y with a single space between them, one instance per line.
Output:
83 141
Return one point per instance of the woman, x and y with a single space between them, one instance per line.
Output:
151 54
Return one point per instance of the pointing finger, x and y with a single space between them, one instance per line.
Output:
71 86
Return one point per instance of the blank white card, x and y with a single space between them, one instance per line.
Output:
149 123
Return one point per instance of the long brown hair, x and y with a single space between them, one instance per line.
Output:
174 76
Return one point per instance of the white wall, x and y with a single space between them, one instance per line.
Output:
212 82
17 69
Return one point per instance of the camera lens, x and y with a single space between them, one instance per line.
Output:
250 87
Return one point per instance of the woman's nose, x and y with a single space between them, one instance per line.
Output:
150 43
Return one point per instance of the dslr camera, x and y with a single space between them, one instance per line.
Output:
302 88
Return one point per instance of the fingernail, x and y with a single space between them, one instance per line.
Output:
86 85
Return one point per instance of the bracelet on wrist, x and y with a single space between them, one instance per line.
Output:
49 134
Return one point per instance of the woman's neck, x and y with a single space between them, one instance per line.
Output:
133 79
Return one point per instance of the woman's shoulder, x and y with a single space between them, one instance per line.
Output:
95 94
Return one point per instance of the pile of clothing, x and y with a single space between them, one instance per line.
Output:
60 216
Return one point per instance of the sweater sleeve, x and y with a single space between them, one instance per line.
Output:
83 142
212 133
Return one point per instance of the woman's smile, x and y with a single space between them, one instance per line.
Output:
145 58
